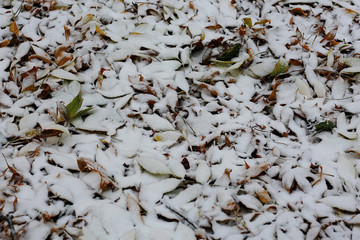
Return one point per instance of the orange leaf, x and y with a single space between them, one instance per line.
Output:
304 46
351 11
4 43
191 5
67 32
14 29
272 96
263 196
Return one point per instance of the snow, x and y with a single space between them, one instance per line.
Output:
178 144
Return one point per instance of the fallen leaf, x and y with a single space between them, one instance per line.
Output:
281 66
153 165
263 196
14 28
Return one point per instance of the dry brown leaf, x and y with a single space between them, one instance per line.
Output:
330 35
263 196
67 33
4 43
63 60
214 27
272 96
43 58
210 88
191 5
14 28
299 12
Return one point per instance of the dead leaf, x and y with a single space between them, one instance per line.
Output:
67 32
14 28
263 196
99 31
330 35
299 12
4 43
214 27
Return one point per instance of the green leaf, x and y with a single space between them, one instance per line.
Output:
82 112
74 106
325 126
281 67
231 53
248 22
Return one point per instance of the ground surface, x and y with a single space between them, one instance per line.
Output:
187 120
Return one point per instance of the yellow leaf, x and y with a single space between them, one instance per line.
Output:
135 33
248 22
99 31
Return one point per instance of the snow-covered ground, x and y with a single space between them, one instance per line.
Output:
203 119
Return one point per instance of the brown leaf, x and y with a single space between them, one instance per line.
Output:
263 22
214 27
14 28
210 88
272 96
106 183
85 165
330 35
263 196
296 62
67 33
299 12
63 60
242 31
4 43
43 58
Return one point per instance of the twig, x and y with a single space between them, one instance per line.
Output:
9 218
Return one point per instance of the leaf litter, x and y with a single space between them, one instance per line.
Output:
179 120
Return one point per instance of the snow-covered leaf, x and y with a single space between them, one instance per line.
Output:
157 123
153 165
202 173
345 202
60 73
